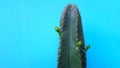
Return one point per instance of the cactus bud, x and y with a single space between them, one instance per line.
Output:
58 30
79 44
87 47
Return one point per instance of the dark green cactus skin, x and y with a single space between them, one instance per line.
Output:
71 33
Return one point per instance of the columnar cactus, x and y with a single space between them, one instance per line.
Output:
72 51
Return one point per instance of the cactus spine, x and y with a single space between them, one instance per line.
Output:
71 36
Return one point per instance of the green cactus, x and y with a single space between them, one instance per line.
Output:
71 38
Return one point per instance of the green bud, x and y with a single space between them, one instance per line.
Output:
58 30
87 47
79 44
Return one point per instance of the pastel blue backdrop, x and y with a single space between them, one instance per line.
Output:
28 39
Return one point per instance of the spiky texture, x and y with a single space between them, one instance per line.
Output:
71 34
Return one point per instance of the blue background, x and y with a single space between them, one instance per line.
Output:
28 39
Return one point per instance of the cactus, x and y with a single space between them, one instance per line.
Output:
72 51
